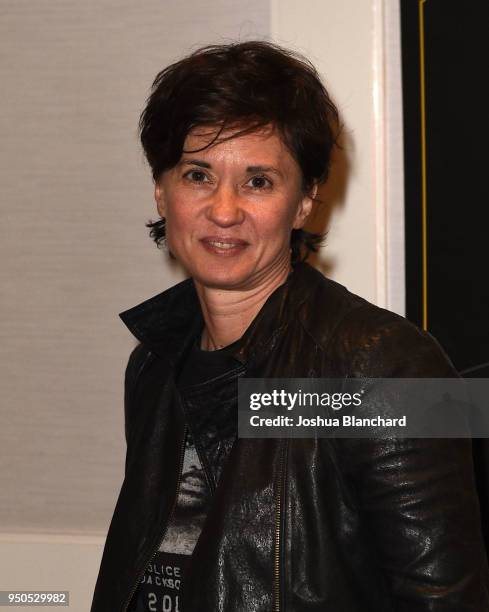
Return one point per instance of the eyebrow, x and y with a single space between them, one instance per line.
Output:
249 169
252 169
194 162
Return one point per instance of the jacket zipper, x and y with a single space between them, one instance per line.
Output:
278 526
153 555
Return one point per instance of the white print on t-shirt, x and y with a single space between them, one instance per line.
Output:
164 570
168 603
163 575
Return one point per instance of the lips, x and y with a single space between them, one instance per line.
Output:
223 245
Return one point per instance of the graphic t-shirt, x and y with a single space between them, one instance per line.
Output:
161 586
163 582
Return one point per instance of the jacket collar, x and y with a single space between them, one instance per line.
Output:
169 321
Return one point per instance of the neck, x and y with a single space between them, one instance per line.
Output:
228 313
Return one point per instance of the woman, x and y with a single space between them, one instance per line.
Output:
239 137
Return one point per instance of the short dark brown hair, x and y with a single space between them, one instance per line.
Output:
247 86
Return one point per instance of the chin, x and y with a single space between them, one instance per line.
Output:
221 278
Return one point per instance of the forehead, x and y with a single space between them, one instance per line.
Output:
261 146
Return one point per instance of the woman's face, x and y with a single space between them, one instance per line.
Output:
230 208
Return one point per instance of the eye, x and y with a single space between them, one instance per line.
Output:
260 182
196 176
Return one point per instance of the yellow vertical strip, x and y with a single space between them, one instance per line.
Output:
424 238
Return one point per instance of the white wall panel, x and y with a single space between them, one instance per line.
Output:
338 37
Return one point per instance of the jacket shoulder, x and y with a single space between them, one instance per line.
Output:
368 340
138 358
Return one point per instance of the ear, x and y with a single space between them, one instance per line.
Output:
305 207
160 198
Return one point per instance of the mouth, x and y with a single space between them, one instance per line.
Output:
222 245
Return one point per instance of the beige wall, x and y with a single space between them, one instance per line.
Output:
75 195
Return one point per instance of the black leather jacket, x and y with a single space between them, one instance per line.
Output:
297 525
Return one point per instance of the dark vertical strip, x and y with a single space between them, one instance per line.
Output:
412 159
453 258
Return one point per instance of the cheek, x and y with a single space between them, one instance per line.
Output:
177 228
178 217
278 224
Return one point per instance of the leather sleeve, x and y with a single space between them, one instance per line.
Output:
416 496
137 359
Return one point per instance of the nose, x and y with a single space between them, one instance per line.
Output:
224 207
